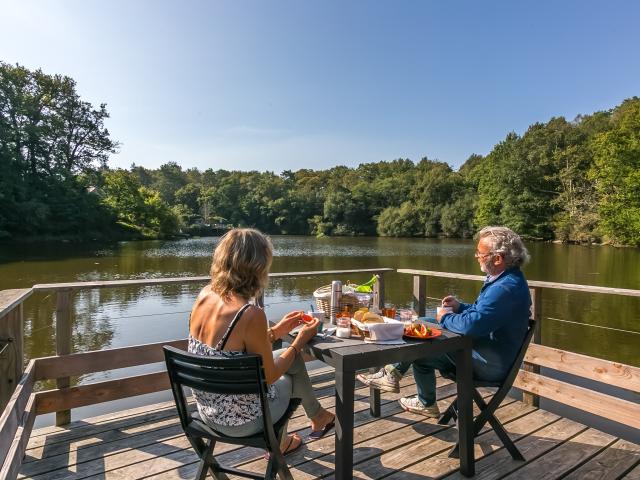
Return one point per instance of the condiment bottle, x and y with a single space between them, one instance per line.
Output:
344 323
336 296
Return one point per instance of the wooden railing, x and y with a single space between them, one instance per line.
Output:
533 384
22 404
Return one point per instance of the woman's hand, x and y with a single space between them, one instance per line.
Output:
451 301
290 321
307 332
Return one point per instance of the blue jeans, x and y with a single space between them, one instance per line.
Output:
424 371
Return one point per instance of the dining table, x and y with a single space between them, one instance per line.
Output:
348 356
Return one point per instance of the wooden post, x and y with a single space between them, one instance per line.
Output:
420 294
378 292
536 314
63 343
11 358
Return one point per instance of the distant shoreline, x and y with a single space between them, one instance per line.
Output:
88 239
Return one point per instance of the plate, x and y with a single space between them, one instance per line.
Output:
434 333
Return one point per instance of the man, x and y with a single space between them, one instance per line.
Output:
497 321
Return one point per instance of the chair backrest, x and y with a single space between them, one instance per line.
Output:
515 366
225 374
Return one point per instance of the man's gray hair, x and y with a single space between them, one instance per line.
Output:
506 243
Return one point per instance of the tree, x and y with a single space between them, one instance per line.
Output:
137 208
617 174
189 196
403 221
48 138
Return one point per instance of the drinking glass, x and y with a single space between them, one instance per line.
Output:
389 310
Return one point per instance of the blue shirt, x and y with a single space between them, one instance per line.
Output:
497 321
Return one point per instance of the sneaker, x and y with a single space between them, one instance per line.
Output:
414 405
381 380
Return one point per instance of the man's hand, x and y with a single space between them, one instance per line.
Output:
451 301
290 321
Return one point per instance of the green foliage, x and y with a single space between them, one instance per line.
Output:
616 172
574 181
51 143
403 221
138 207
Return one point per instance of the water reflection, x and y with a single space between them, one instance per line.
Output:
112 317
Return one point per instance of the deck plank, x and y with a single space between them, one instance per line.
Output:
162 465
98 430
394 456
634 474
79 427
609 464
148 442
486 444
392 421
95 455
566 456
500 463
99 438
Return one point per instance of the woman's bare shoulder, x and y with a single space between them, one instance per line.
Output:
254 314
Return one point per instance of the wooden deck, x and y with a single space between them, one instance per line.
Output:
147 442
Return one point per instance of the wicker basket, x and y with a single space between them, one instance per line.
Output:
352 300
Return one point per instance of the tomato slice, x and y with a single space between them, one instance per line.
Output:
422 331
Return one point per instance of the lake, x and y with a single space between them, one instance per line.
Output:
606 326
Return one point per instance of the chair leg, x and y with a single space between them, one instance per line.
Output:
449 413
504 437
482 417
204 452
277 465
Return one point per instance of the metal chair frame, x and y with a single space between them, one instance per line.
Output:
226 374
487 410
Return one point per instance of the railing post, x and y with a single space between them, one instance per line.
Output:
63 343
378 291
536 314
420 294
11 356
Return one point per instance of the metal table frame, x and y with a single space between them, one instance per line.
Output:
348 357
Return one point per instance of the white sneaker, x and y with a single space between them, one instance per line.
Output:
414 405
381 380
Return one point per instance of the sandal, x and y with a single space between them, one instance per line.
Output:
290 446
318 434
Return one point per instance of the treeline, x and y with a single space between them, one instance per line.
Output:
569 180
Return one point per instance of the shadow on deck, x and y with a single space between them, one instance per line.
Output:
147 442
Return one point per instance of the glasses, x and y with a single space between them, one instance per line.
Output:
482 255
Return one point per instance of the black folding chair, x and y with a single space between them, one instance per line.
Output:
226 374
487 410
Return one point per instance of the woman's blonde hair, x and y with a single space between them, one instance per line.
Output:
241 263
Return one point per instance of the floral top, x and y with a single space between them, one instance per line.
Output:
226 409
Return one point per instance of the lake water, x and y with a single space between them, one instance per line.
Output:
607 326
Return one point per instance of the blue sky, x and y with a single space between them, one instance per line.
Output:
276 85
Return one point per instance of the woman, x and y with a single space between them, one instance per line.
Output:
223 319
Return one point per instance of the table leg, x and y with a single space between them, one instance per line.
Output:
465 411
345 386
374 398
